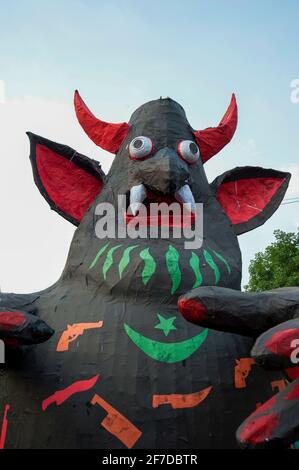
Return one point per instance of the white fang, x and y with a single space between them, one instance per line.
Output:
137 196
185 196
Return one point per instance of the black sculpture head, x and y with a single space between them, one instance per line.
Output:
159 158
158 149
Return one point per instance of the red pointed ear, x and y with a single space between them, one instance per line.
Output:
250 195
68 180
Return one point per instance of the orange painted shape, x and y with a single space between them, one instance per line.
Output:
188 400
242 369
117 424
4 427
278 385
72 332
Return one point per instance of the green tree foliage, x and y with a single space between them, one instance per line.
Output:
277 266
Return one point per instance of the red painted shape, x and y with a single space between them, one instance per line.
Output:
293 394
184 219
280 342
256 430
246 198
4 427
180 221
10 320
61 396
104 134
265 407
292 372
193 310
213 139
11 342
71 188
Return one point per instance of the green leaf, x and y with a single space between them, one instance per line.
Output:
109 260
125 259
172 263
195 265
99 253
209 259
149 265
226 263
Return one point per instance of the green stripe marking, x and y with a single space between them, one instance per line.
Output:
149 265
109 260
99 253
212 264
125 259
172 263
227 265
195 265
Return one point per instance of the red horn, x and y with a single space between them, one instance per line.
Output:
107 136
213 139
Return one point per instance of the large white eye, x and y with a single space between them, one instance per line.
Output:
188 150
140 147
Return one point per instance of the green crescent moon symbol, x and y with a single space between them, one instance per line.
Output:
166 352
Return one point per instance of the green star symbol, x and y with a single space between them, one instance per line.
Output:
165 324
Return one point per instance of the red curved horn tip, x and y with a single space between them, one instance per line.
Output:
233 100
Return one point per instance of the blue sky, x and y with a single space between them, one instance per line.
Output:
120 54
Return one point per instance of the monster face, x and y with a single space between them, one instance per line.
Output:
159 160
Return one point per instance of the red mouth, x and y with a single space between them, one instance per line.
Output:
185 219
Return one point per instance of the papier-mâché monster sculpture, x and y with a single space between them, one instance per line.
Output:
119 365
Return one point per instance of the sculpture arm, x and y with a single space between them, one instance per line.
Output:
272 317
